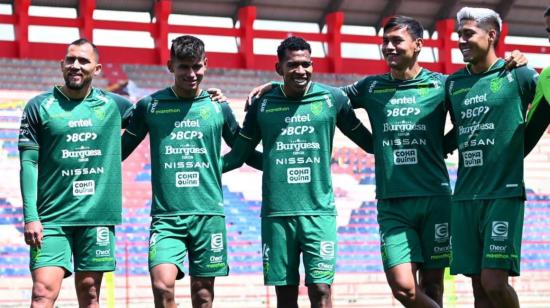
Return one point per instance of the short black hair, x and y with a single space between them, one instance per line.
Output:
187 47
292 43
547 12
413 26
83 41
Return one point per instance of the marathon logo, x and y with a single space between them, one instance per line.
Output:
441 232
83 188
216 242
472 158
327 249
405 157
187 179
499 230
298 175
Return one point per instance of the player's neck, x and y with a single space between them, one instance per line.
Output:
407 73
485 64
293 93
74 94
185 94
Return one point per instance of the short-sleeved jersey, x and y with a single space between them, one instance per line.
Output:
297 138
408 122
542 93
79 170
185 140
488 112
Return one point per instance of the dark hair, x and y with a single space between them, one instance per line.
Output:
292 43
83 41
187 46
547 12
412 25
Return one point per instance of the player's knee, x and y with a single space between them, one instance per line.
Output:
494 287
319 291
163 289
404 291
43 295
88 290
433 290
202 291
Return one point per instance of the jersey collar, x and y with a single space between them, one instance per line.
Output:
58 89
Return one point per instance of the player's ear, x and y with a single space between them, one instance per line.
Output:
278 68
169 65
98 68
419 43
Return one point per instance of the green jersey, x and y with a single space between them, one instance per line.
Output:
488 111
538 117
185 141
79 176
408 122
297 138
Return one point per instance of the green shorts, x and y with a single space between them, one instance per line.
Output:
415 230
486 234
93 249
284 238
203 237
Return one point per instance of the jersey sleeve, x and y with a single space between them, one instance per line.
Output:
251 129
350 125
29 137
125 107
354 92
137 128
231 131
538 117
527 79
448 105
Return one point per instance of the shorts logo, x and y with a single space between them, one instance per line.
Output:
441 232
216 242
102 236
298 175
265 257
473 158
83 188
327 250
499 230
35 254
405 157
187 179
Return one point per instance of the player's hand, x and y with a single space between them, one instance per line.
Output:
34 233
216 95
516 59
256 93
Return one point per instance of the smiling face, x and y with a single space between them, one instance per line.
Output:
79 67
399 48
296 70
188 75
474 42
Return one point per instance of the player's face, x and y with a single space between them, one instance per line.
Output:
79 66
399 48
547 23
296 70
188 73
474 42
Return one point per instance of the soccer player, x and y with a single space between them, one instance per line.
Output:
296 123
185 128
488 105
538 117
407 112
69 147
